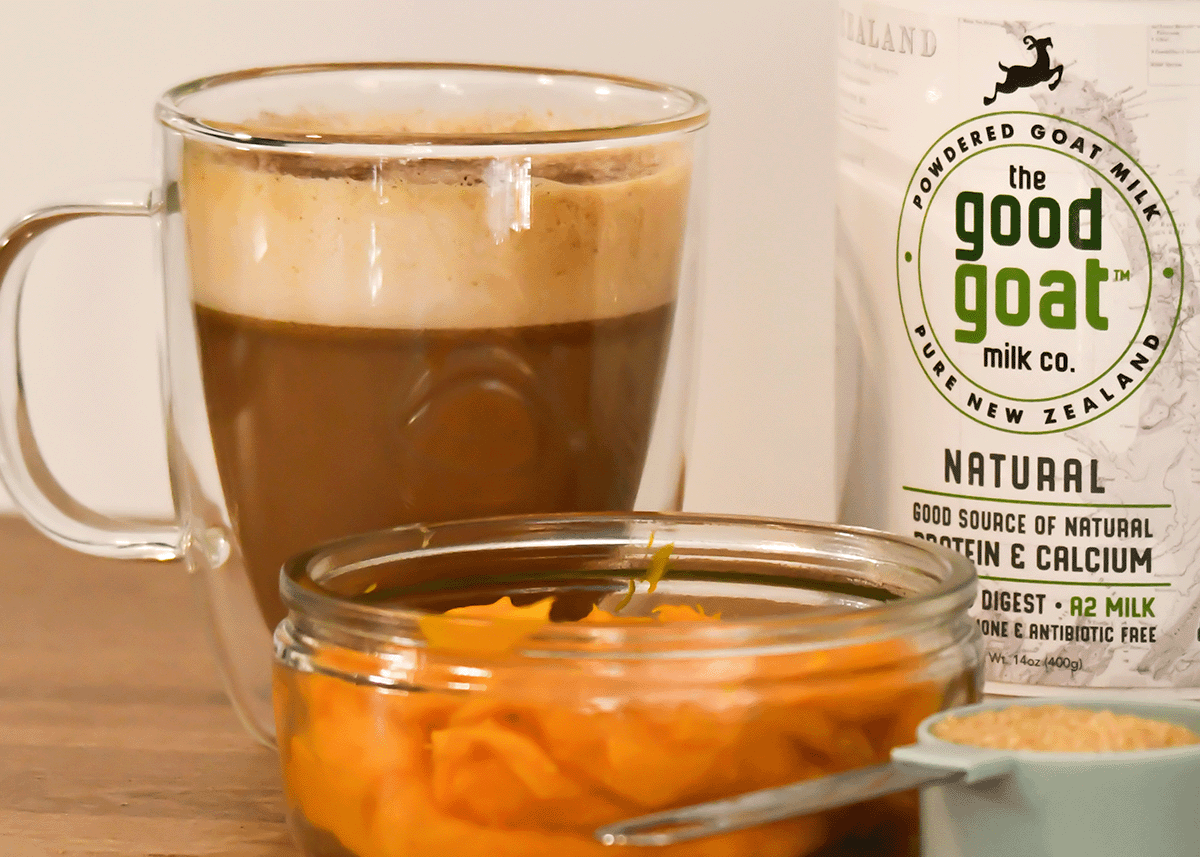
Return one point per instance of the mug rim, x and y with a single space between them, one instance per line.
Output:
693 113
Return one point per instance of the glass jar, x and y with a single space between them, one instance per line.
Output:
419 712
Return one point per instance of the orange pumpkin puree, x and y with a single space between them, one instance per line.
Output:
535 756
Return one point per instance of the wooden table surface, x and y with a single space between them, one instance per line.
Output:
115 735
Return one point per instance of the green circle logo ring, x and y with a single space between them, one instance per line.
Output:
1039 269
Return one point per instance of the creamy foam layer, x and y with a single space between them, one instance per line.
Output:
434 244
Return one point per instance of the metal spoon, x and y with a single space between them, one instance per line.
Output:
915 766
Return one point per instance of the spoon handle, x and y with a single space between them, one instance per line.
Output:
767 805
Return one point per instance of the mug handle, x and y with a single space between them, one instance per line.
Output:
34 489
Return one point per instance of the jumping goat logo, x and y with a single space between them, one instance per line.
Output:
1022 76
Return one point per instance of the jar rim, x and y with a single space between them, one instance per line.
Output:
951 578
681 110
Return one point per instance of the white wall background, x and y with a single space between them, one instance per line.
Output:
78 81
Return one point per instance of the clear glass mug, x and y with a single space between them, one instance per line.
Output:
394 293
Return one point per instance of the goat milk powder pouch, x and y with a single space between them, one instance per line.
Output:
1018 348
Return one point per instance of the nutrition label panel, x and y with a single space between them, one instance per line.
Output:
1071 573
1174 55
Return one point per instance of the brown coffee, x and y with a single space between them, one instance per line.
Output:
322 431
388 343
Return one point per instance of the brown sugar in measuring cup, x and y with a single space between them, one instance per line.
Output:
1062 729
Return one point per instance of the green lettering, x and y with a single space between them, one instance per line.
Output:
1091 294
1057 306
1090 205
1053 226
1004 278
999 204
968 205
973 315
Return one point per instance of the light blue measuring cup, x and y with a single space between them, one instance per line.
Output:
977 802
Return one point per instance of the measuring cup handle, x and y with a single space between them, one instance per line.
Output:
974 763
34 489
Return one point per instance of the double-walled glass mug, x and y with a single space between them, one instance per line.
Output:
394 293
